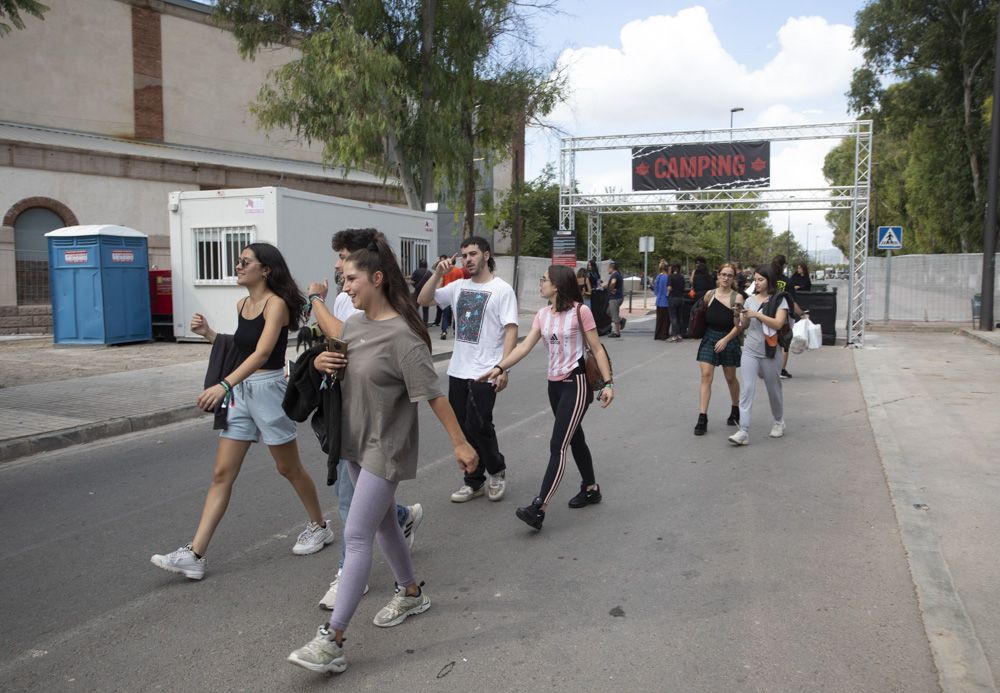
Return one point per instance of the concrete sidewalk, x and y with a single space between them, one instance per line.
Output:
46 416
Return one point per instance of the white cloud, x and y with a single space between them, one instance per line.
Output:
671 72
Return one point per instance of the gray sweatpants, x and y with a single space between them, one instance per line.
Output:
752 367
372 516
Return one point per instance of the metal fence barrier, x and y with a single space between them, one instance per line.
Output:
925 288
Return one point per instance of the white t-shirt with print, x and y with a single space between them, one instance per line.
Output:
562 337
481 313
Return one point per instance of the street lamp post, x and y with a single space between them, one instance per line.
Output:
808 230
729 219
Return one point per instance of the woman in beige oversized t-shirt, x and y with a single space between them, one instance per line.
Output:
390 371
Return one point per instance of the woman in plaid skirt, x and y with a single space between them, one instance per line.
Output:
721 345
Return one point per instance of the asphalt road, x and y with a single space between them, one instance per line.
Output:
775 567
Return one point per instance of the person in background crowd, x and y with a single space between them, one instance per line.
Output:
761 320
741 280
616 293
660 286
485 309
594 275
345 242
251 396
558 325
583 280
721 345
417 279
388 371
701 279
801 280
675 301
454 273
778 264
438 311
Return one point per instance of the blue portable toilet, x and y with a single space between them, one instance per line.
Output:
99 277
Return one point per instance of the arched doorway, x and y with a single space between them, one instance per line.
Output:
32 219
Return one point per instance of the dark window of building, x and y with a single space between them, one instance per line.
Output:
31 255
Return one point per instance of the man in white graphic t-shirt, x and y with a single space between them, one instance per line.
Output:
485 312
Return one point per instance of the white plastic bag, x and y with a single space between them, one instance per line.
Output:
814 334
800 340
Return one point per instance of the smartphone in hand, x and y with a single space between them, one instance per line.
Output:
339 346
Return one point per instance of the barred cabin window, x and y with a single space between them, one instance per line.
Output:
412 251
216 251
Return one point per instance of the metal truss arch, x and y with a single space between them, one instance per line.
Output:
850 197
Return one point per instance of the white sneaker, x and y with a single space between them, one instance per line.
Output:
497 486
312 539
778 429
322 653
414 516
329 599
467 493
741 437
182 561
401 606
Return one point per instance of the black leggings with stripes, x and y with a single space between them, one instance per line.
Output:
570 400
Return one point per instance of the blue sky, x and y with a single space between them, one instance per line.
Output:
656 66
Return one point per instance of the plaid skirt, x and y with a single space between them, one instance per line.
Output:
730 356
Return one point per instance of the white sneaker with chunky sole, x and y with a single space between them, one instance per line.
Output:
467 493
312 539
778 429
182 561
414 516
400 607
321 654
496 486
741 437
329 599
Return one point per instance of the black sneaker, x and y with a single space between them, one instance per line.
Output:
532 514
585 497
785 375
702 425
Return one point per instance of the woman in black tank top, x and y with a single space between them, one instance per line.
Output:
251 395
720 346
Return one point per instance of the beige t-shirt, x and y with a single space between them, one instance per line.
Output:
389 370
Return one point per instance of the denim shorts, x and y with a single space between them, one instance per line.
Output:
255 411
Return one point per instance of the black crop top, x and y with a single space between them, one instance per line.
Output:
719 316
247 335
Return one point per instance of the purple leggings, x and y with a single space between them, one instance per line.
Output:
372 516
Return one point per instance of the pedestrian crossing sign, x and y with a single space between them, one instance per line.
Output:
890 237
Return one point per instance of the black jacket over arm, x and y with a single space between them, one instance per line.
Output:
221 362
305 395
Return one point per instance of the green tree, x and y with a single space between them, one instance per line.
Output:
927 75
386 85
12 9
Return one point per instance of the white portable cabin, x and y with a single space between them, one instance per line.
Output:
208 229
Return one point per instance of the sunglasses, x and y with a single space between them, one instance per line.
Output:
244 262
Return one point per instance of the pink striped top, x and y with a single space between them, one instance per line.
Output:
561 334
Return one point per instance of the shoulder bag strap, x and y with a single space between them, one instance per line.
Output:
583 336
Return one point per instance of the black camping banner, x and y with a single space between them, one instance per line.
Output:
702 166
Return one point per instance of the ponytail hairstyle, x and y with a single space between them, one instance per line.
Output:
279 280
377 256
567 288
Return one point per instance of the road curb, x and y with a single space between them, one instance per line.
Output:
23 446
981 337
958 655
